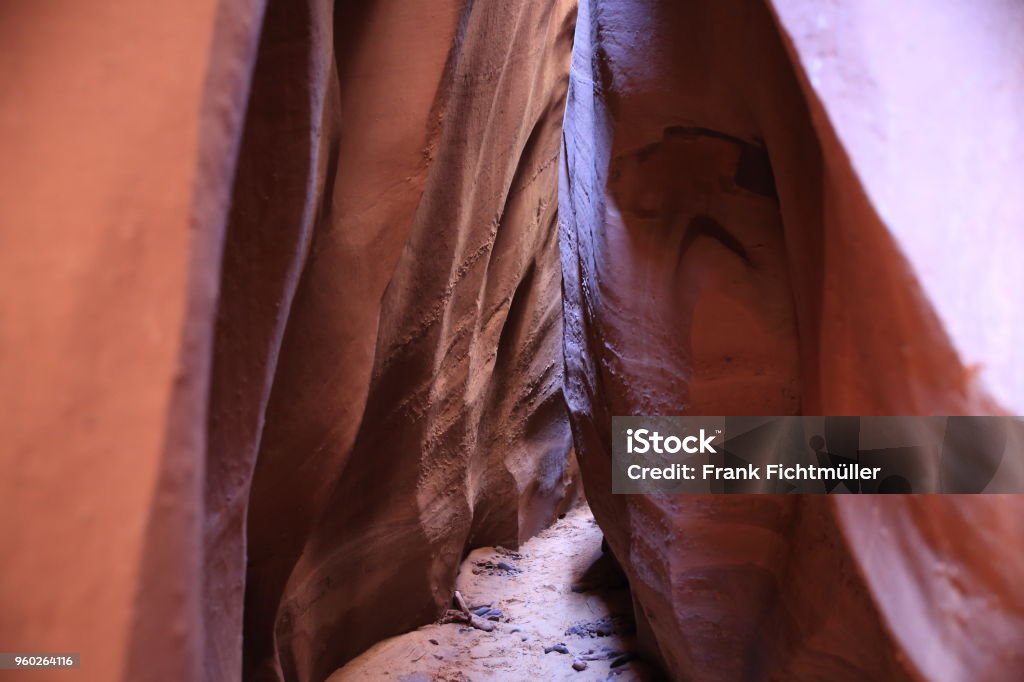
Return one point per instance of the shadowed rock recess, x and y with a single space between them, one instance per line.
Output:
303 301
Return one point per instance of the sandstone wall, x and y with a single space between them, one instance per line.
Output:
306 387
281 326
737 239
119 125
416 408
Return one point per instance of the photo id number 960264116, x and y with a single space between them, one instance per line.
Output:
22 661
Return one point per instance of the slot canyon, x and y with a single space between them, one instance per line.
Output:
315 312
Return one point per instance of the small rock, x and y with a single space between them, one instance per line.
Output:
624 659
452 616
603 627
481 624
559 648
506 566
578 664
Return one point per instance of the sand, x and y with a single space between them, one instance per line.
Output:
534 590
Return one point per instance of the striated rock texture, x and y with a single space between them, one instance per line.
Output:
281 318
751 225
416 408
281 322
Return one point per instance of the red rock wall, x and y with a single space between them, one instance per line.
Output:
307 386
281 318
416 408
722 256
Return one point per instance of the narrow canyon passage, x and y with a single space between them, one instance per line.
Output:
559 608
316 313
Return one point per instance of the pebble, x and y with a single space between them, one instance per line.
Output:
578 664
506 566
624 659
489 613
481 624
560 648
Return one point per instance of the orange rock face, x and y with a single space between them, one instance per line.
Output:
282 327
119 130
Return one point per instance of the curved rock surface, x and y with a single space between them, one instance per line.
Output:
416 410
281 318
254 387
733 243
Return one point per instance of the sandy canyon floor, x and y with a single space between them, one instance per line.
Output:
560 610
